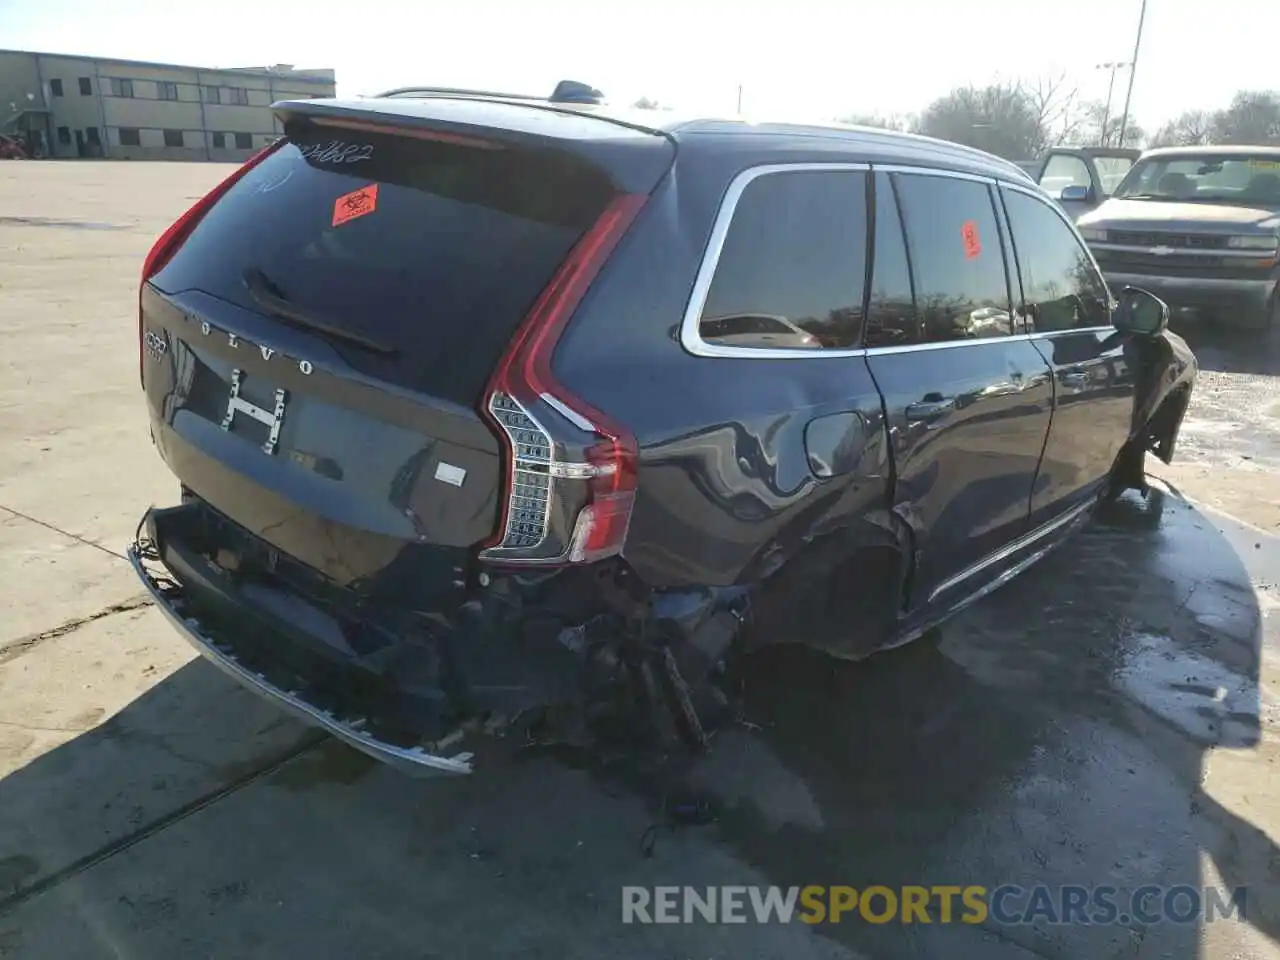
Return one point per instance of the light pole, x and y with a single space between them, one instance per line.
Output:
1113 66
1133 69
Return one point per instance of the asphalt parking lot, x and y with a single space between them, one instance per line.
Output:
1109 718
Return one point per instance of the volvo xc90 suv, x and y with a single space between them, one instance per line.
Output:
495 413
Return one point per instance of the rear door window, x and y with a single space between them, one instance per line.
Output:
792 270
436 249
962 291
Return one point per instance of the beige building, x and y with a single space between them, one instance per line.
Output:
72 106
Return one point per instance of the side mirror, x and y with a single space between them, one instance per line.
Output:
1140 312
1076 192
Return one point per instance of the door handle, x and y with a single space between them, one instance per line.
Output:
1076 379
930 408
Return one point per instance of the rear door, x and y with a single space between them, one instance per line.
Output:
968 399
320 343
1066 305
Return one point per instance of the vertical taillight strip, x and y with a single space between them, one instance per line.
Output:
524 376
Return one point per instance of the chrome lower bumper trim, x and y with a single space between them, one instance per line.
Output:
414 761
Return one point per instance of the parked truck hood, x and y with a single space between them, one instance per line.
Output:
1173 216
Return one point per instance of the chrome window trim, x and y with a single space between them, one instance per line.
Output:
935 172
980 341
690 335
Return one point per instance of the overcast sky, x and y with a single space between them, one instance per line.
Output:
801 58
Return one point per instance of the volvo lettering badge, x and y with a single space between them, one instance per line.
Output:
233 341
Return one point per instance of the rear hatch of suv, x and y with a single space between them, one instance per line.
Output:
346 354
319 336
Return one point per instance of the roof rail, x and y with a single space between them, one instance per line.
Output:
566 91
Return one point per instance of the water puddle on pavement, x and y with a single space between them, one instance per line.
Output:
1211 703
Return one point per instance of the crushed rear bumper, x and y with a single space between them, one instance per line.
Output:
173 579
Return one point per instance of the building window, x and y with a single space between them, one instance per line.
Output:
244 141
173 138
92 134
86 88
64 134
212 94
129 137
168 90
238 95
55 88
219 141
121 88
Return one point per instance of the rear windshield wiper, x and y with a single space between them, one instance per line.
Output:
270 297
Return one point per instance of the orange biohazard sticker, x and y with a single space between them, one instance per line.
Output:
972 244
355 204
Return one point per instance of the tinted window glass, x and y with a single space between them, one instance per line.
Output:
1061 288
793 267
435 249
891 317
961 289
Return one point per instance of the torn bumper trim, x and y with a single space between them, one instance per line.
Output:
414 761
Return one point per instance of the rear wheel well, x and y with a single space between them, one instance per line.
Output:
833 595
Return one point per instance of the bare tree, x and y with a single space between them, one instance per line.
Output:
1001 119
891 122
1096 127
1253 117
1055 101
1194 128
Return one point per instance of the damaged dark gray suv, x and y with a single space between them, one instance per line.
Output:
501 415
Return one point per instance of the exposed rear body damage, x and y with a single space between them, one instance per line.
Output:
493 416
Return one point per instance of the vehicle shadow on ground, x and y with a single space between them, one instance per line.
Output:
1056 735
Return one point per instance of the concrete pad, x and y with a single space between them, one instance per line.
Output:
74 446
48 580
528 864
108 727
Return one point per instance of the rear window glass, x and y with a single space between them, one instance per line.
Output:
793 267
436 249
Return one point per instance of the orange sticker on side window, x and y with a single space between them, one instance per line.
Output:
972 244
355 204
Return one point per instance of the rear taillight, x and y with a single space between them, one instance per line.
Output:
167 244
524 380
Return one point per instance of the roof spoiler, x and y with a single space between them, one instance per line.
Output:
566 91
